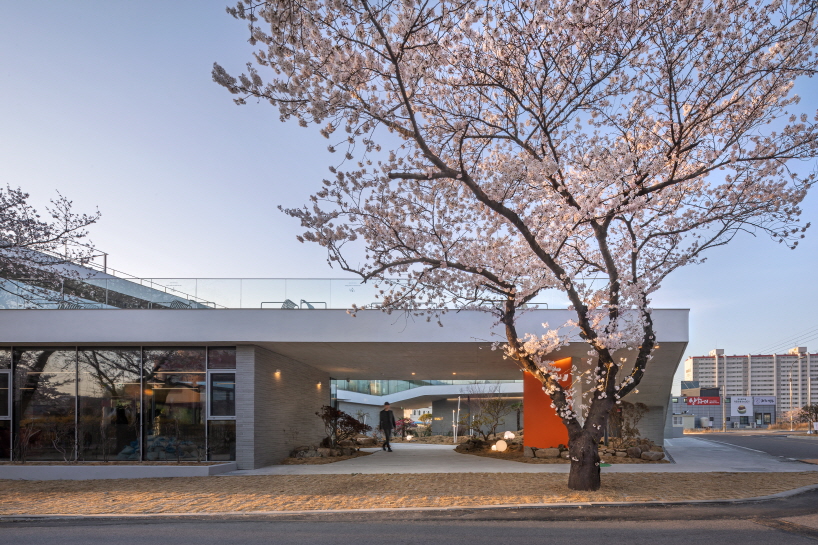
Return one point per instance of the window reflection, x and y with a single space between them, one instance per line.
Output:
109 404
222 394
221 358
45 404
174 393
5 440
5 394
221 436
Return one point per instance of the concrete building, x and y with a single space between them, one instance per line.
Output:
204 369
783 380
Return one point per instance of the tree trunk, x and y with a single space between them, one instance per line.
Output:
584 451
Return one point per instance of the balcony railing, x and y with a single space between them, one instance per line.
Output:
392 387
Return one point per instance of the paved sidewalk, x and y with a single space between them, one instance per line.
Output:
691 455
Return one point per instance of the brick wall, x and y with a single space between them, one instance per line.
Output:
275 412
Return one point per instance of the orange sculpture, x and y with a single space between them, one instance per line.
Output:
542 427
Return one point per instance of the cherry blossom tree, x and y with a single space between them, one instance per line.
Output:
38 253
495 150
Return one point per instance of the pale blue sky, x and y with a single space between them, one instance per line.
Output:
112 104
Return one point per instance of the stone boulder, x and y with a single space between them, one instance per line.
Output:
621 454
529 452
634 452
548 453
653 456
565 455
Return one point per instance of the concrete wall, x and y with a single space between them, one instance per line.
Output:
372 412
275 412
652 425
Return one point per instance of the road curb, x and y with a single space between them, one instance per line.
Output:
108 516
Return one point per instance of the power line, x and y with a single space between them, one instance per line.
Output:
799 338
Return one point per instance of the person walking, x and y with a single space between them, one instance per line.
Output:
387 424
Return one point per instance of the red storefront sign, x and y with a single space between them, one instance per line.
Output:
703 401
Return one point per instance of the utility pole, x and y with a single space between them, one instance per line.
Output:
716 353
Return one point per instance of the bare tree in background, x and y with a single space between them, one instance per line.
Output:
487 408
39 250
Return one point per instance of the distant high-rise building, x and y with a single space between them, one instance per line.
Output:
774 375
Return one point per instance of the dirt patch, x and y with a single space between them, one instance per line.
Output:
310 492
317 461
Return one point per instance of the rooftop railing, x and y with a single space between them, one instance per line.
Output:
197 293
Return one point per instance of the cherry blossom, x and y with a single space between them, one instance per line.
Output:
496 150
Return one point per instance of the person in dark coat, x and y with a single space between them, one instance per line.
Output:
387 425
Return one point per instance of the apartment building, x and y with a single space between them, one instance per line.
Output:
788 377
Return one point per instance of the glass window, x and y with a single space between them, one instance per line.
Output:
5 358
5 440
221 438
109 404
45 404
222 394
221 358
185 360
5 395
174 410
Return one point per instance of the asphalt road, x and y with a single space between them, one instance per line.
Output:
747 523
777 445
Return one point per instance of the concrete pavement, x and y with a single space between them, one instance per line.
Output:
691 455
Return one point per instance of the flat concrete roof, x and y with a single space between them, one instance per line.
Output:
373 345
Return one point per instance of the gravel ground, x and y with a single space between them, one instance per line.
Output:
310 492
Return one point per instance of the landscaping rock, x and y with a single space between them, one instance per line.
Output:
564 454
634 452
549 453
324 452
529 452
653 456
621 454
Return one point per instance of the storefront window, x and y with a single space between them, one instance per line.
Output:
45 382
174 397
109 404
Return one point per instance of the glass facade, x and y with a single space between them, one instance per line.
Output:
175 404
117 404
45 404
109 404
389 387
